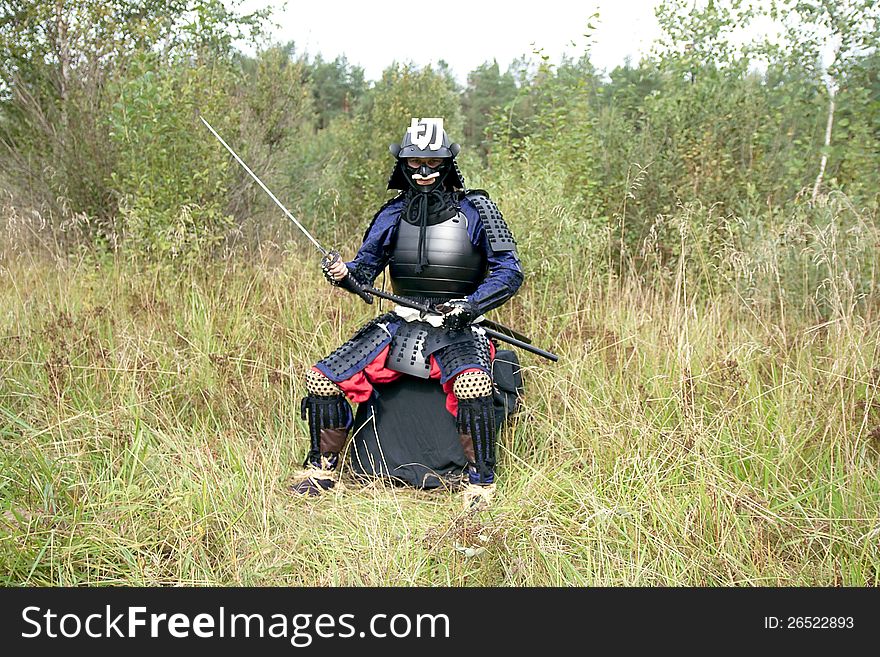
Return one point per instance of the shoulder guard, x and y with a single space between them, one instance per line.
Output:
500 237
379 211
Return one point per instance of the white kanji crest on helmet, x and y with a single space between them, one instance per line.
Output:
427 133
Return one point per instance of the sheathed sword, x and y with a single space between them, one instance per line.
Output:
484 324
491 328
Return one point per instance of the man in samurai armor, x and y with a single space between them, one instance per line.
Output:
448 248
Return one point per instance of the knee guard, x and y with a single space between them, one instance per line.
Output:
329 418
319 385
470 385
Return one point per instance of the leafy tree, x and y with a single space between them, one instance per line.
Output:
852 29
488 92
80 107
337 87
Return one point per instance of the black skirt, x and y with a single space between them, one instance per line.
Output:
405 433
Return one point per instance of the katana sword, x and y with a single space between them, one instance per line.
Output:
364 292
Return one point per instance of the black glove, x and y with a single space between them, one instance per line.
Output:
457 315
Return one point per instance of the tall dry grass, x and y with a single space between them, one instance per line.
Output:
715 424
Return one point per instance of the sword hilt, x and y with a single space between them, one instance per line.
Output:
349 282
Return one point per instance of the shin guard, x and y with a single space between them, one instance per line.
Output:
329 419
476 418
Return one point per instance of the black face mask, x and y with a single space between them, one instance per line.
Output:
424 171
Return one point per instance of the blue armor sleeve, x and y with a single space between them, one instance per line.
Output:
505 272
374 253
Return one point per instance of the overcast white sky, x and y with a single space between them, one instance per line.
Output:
463 33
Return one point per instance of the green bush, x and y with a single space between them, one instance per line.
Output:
171 175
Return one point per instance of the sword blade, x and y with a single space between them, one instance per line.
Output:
265 189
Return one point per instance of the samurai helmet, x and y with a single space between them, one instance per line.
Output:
425 158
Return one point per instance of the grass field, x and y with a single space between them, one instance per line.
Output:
150 424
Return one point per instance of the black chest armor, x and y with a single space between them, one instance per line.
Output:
455 267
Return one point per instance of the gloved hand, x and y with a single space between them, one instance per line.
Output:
337 274
334 269
457 315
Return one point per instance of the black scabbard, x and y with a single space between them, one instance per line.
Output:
492 332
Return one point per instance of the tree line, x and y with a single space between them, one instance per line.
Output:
99 131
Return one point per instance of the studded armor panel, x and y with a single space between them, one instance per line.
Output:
362 348
407 351
500 237
455 358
